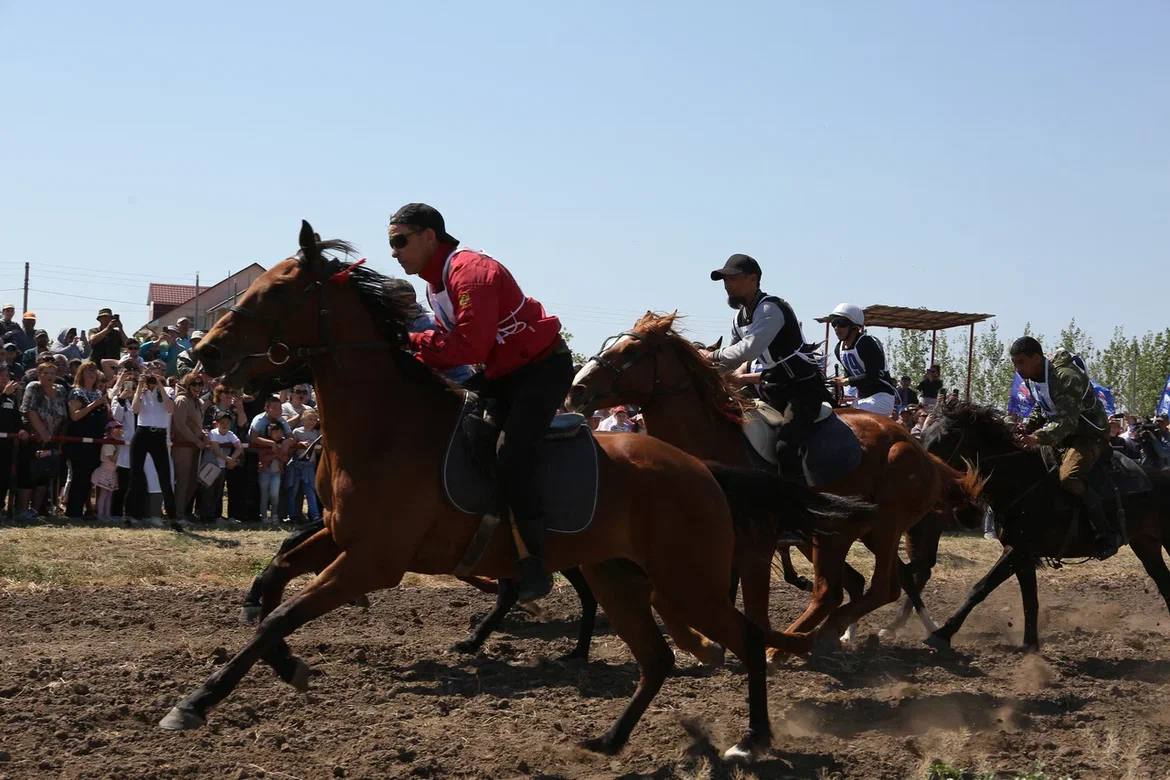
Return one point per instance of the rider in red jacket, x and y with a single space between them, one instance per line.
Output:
483 317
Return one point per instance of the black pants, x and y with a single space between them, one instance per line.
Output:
7 477
118 501
523 404
804 399
152 442
83 460
236 490
248 488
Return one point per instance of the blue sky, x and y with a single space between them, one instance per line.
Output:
1001 157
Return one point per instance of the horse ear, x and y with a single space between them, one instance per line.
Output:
310 255
308 238
718 343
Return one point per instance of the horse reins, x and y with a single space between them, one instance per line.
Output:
650 350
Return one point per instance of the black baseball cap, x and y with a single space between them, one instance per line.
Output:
422 216
736 265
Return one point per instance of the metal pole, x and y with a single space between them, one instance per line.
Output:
825 368
933 344
970 359
25 295
198 325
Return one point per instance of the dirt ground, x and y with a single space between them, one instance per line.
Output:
87 670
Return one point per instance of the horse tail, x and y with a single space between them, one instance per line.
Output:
762 500
962 491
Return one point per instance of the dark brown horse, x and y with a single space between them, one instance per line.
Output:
1035 519
685 401
662 535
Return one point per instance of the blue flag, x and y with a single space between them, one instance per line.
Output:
1020 402
1106 396
1164 404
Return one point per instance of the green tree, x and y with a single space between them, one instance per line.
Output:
1074 339
1113 367
991 375
908 353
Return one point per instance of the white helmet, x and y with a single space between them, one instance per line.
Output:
851 312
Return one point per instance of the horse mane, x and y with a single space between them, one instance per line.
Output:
392 305
714 391
988 422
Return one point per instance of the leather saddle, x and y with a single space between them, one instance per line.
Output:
831 451
566 479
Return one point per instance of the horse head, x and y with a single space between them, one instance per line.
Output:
631 367
264 340
968 432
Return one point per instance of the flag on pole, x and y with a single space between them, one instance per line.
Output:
1020 402
1164 404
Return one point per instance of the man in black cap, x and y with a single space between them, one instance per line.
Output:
483 318
105 341
767 342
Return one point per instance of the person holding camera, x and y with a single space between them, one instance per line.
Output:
106 340
89 411
122 396
154 409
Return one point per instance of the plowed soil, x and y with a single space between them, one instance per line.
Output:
86 672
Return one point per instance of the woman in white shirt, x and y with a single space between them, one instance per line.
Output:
154 407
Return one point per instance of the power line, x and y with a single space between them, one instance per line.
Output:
86 297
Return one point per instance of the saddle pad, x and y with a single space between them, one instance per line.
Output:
566 478
831 452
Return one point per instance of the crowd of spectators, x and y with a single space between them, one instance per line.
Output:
98 424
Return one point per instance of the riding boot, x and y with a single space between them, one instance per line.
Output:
788 461
532 581
1107 539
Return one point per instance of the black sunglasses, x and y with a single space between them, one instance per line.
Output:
840 323
399 240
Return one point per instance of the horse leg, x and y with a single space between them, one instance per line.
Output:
1026 577
883 588
854 584
922 548
828 557
790 576
252 610
1149 552
341 581
588 614
624 592
1003 568
754 562
506 597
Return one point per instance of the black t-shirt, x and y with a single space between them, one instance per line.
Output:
10 419
110 347
930 388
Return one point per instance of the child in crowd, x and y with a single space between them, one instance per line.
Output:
105 476
272 462
302 469
224 450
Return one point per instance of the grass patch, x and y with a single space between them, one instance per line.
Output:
942 770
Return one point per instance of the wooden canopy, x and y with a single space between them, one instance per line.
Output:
909 318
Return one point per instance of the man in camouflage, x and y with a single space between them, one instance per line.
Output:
1070 417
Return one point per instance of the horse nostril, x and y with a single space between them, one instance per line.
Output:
206 352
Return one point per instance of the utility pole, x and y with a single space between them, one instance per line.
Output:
25 288
198 326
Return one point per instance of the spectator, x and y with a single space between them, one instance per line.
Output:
45 412
11 424
904 395
12 359
120 410
226 451
6 315
185 363
23 334
153 408
134 353
908 416
953 398
105 341
187 438
40 345
259 441
105 476
921 417
424 321
596 419
69 344
272 462
617 422
88 415
302 469
183 335
165 349
930 387
1127 447
296 405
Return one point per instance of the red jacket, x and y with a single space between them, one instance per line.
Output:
482 316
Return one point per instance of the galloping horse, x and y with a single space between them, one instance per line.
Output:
685 401
1035 518
661 536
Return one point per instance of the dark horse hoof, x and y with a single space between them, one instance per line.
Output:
603 745
801 583
468 646
937 642
575 656
250 614
181 719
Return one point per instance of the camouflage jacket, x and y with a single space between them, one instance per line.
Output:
1078 412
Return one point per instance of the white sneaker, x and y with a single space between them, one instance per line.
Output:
990 536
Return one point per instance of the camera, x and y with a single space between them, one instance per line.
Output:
151 381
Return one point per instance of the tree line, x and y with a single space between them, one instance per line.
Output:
1133 367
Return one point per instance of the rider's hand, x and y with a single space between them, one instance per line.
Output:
839 381
1029 440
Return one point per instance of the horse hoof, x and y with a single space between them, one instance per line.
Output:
825 644
713 656
250 614
300 676
1032 648
361 602
739 753
577 656
467 646
938 643
602 745
850 634
179 719
888 633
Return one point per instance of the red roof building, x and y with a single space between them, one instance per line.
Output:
162 298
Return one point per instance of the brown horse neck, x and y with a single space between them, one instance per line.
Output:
683 420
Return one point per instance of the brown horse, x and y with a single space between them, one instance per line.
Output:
662 534
685 401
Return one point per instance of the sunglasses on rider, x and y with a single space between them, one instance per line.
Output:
838 323
399 240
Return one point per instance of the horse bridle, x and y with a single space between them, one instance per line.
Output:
650 350
277 347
